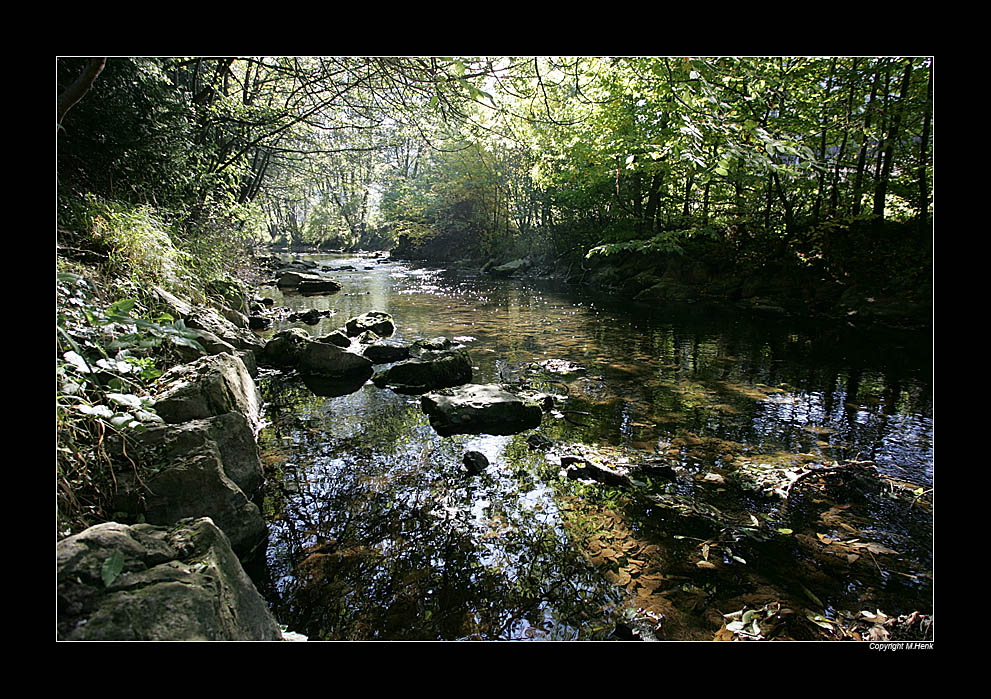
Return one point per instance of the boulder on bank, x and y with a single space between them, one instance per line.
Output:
479 409
202 468
209 320
147 583
211 344
510 268
428 372
210 386
196 485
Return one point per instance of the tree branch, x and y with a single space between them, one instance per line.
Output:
80 87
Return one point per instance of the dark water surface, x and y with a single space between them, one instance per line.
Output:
377 531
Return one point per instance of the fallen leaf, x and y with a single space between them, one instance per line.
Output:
724 634
876 548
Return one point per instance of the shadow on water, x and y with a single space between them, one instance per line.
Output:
379 532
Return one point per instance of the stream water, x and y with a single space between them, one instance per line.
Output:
378 532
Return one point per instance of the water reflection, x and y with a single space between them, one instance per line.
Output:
378 531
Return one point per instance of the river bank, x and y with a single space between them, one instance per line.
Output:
884 280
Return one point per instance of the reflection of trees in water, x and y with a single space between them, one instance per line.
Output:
383 536
376 532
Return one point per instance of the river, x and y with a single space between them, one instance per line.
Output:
378 532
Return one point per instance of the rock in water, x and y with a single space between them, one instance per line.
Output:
479 409
379 323
294 349
386 351
307 283
475 462
429 372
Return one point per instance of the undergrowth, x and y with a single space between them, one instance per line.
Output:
113 340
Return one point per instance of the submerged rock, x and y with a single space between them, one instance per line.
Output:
333 386
428 372
564 367
146 583
479 409
614 468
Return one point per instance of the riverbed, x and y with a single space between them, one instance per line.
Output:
378 531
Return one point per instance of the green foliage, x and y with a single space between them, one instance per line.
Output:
666 242
131 138
139 245
107 357
112 567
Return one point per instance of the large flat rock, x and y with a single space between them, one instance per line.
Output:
430 371
479 409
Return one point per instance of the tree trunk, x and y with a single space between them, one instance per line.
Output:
686 209
923 204
862 155
789 209
705 203
75 92
821 183
834 195
653 201
891 143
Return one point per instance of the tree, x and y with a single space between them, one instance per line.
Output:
74 92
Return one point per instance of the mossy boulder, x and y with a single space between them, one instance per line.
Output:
148 583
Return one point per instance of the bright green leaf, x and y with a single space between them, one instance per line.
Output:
112 567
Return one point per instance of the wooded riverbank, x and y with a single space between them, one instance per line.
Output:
653 333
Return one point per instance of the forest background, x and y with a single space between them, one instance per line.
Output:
813 174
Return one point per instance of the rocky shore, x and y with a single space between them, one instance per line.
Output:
190 507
